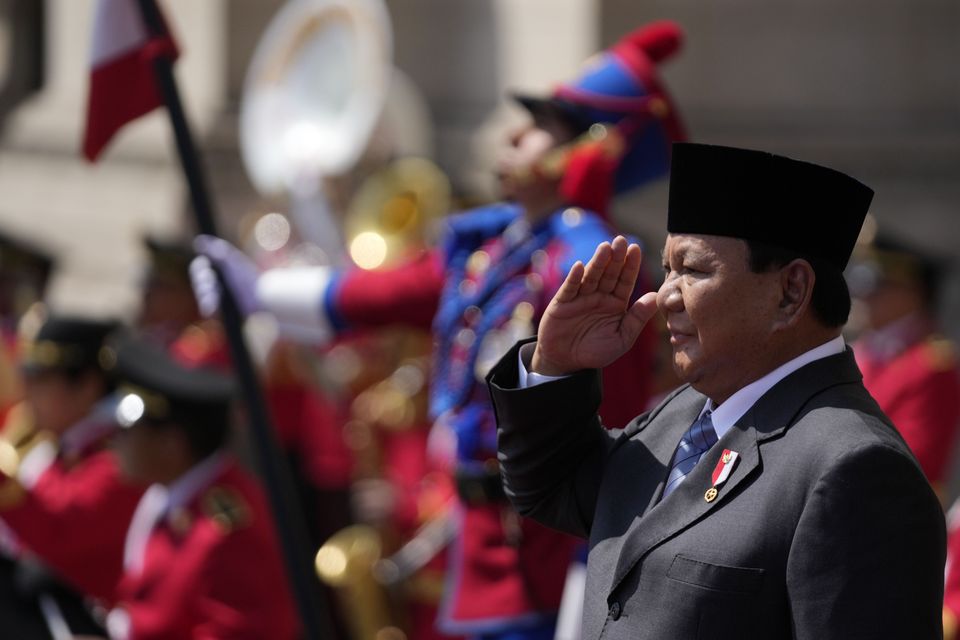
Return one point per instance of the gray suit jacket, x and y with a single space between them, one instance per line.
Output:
826 528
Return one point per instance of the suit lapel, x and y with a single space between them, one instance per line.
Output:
768 418
687 504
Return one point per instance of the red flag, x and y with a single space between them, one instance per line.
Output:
123 86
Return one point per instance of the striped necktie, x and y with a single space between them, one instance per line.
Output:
693 444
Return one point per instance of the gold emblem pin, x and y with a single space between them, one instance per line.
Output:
180 521
726 457
711 494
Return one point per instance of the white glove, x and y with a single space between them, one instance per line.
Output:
239 272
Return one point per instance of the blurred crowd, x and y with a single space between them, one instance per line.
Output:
130 504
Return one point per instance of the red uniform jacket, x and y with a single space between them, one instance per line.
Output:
918 387
75 518
506 573
210 570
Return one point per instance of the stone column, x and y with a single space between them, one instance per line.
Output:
92 216
466 54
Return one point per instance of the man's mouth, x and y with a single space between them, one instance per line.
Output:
678 337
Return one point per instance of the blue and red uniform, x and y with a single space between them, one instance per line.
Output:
487 286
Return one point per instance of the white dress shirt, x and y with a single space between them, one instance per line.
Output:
725 415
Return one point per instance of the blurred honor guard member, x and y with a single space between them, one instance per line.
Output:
24 273
908 366
487 285
769 497
61 494
168 306
201 559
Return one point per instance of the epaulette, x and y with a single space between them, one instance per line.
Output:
226 508
940 353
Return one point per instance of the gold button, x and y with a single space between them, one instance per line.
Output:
472 314
478 262
572 216
466 337
658 107
467 287
711 494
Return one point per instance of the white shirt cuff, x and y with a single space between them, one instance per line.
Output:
527 379
295 297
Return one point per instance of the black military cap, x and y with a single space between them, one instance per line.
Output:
24 272
154 387
19 255
766 198
888 259
66 344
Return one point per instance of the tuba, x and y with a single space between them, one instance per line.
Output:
389 218
314 106
314 91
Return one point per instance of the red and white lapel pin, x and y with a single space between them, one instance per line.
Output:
726 463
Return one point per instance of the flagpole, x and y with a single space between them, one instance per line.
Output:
277 480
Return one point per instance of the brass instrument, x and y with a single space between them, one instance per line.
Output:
18 437
389 217
344 562
425 544
348 559
314 94
394 211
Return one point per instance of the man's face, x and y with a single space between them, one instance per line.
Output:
719 314
891 301
168 305
141 450
57 402
520 162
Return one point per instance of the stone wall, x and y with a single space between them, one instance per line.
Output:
869 86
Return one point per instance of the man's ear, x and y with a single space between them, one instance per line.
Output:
796 290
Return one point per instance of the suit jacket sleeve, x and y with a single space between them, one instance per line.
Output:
870 516
552 447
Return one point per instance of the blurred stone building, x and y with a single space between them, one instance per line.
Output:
867 86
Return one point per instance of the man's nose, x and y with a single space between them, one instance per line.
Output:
516 136
669 298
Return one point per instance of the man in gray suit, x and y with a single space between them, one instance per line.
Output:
769 497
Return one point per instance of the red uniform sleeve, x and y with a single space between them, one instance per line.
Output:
928 417
76 520
248 598
406 295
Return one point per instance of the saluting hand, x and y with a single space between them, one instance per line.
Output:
590 321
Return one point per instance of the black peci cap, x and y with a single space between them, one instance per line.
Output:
66 344
762 197
151 385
